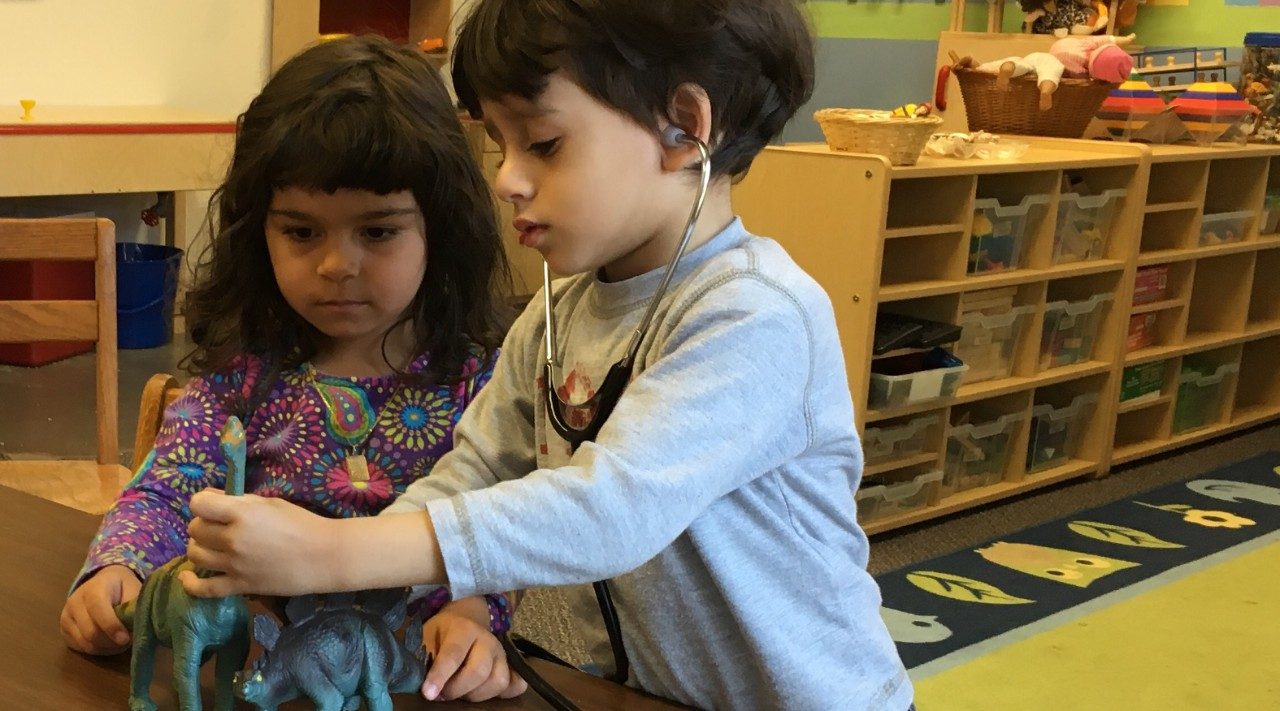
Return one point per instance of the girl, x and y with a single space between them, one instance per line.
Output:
717 498
345 311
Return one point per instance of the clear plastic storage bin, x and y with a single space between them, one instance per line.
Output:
914 377
977 455
999 233
989 344
1271 214
1055 432
1224 227
1070 329
887 500
1084 225
1200 395
889 444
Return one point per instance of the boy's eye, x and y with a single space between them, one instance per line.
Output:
544 148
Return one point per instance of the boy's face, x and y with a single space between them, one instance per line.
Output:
587 182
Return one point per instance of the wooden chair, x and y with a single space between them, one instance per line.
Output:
159 392
88 486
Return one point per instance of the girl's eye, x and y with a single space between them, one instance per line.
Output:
380 234
544 148
301 234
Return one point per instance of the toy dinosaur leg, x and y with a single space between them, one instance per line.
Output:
353 703
329 699
142 664
378 700
188 654
231 659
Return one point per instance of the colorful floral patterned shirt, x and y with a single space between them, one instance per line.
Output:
298 441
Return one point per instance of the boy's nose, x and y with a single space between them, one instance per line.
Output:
512 183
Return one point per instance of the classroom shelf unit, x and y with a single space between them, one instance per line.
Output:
1217 344
885 239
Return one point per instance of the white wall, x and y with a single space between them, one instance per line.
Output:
210 55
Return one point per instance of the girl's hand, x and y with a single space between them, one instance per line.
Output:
467 660
261 545
89 623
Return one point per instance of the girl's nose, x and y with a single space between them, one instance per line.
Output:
341 259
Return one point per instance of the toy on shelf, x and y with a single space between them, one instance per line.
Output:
999 233
1100 57
999 101
1210 109
335 650
1046 68
1135 112
195 628
1180 67
900 139
1045 17
979 144
1271 213
1259 82
912 110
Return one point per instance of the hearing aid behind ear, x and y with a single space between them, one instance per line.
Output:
673 136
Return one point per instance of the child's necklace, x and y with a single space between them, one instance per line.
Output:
350 418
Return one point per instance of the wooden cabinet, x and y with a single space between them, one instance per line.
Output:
899 240
1217 335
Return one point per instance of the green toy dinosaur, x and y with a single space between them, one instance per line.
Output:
195 628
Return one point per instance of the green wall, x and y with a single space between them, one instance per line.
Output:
1202 23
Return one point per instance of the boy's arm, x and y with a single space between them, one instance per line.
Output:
727 401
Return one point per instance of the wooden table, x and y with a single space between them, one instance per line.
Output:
42 546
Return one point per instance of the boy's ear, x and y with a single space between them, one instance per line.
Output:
690 109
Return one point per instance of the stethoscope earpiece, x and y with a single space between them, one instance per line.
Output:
673 136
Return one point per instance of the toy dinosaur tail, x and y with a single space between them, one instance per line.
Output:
234 452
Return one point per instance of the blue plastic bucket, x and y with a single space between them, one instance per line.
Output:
146 285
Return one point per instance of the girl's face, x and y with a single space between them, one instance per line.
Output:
586 181
350 262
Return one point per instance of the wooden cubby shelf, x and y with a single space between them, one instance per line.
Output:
899 239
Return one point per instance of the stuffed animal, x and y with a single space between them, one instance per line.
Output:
1098 57
1045 17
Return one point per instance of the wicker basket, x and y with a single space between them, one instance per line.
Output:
901 140
1017 108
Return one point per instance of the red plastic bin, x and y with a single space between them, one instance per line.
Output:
35 281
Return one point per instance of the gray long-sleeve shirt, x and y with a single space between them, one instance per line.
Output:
718 498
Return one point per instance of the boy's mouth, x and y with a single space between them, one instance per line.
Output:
531 232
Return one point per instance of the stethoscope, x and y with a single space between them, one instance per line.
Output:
600 406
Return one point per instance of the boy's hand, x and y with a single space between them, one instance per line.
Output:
467 660
261 545
89 623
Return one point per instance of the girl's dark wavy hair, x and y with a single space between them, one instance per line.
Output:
754 58
357 113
